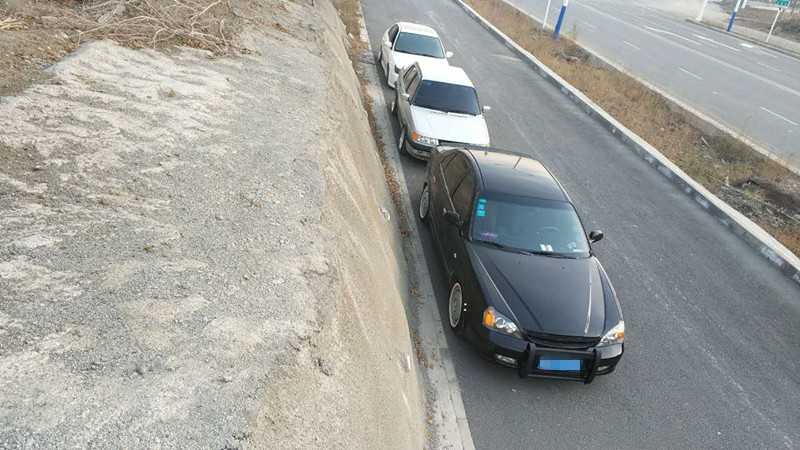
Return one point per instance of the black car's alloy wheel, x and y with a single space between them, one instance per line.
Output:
424 204
456 308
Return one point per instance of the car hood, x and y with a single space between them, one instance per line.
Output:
454 127
402 60
543 294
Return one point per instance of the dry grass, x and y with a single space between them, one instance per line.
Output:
207 24
722 164
350 13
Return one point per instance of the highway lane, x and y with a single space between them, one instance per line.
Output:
749 88
710 358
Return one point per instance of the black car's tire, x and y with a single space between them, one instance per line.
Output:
401 143
455 309
425 204
394 103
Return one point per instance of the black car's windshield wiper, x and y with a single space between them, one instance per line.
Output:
552 255
505 247
527 252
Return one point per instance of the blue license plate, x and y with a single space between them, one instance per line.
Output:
560 364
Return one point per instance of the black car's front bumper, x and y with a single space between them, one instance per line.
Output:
526 356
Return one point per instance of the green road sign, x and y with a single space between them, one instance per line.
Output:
782 3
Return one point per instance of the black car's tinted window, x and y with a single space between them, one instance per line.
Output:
417 44
393 33
454 172
462 198
530 224
447 97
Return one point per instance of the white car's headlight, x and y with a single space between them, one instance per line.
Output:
615 335
498 322
424 140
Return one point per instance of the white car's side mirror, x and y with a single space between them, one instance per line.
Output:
406 97
487 108
448 54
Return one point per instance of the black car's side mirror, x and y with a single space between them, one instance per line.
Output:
452 218
595 236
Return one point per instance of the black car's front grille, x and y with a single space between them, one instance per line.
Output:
558 341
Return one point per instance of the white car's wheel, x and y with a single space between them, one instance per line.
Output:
424 204
456 308
401 143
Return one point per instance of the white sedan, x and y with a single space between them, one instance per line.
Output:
404 44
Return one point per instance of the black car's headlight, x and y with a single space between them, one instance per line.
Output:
615 335
498 322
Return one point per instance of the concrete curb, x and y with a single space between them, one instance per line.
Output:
746 38
449 414
733 220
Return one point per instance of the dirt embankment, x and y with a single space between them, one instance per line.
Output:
201 252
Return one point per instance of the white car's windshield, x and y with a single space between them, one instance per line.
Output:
447 97
417 44
530 225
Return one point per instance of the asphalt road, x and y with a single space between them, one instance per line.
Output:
711 357
749 88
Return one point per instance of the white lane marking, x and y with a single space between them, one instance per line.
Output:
635 16
701 54
587 23
718 43
689 73
626 42
669 19
754 49
671 33
768 67
779 116
509 58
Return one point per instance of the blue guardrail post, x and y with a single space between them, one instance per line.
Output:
560 18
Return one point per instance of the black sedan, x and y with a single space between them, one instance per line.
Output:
525 287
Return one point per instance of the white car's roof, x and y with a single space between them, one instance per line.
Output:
416 28
445 74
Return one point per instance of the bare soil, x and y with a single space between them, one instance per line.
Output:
758 187
31 39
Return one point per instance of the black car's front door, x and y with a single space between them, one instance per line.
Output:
454 195
455 235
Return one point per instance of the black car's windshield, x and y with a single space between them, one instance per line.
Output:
447 97
418 44
531 225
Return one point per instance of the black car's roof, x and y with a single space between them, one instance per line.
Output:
513 173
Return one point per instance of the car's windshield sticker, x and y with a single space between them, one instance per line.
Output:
489 235
481 212
481 200
481 206
546 248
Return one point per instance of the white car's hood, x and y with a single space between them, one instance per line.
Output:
402 60
450 126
